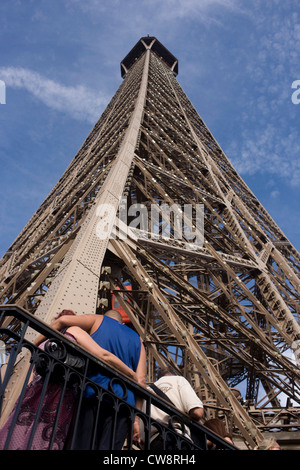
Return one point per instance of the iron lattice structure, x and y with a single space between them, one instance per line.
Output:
224 314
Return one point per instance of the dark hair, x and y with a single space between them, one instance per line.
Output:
167 370
217 426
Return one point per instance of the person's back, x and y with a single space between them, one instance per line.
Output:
122 341
179 392
113 423
182 396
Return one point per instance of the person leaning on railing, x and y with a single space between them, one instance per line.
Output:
177 390
79 326
31 428
118 345
217 426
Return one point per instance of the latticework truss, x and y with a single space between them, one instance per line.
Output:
224 313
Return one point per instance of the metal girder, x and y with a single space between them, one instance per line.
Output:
225 314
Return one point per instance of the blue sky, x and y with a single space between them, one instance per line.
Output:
60 61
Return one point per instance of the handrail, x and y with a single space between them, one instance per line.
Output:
71 379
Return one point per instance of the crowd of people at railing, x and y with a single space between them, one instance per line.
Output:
98 424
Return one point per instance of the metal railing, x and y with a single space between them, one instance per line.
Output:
46 412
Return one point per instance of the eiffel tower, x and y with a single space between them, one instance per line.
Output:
222 310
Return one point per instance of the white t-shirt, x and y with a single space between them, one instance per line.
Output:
181 394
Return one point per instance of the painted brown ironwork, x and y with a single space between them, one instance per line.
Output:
224 313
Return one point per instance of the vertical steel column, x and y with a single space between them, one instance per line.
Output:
76 284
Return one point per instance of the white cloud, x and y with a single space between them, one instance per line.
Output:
79 102
204 11
269 152
275 194
192 8
270 142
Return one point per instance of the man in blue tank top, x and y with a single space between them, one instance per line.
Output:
125 343
99 412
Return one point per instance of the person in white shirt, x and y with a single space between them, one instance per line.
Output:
181 394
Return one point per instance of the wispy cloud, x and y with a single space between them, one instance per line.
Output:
78 102
204 11
270 142
269 152
193 8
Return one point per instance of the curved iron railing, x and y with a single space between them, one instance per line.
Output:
70 383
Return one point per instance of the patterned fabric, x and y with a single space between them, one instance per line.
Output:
46 418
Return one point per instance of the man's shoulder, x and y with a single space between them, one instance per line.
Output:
126 329
171 379
175 381
131 332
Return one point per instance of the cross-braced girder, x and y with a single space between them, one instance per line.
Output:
225 311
